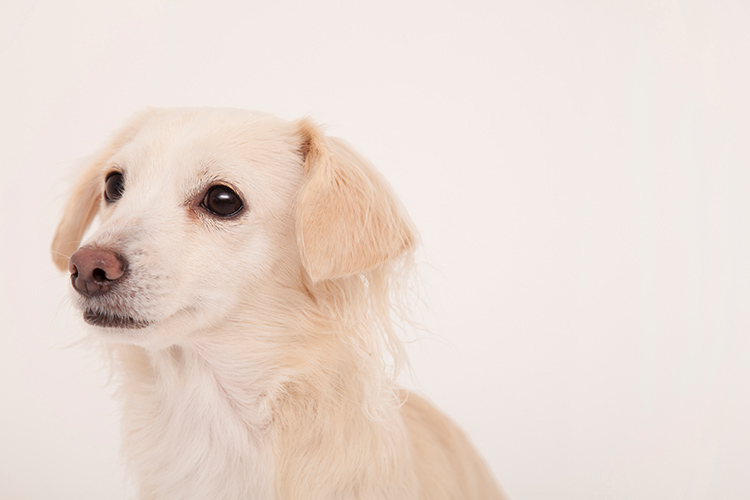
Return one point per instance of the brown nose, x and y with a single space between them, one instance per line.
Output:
94 270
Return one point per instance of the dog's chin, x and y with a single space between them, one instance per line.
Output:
112 320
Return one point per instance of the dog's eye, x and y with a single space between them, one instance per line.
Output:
113 187
222 201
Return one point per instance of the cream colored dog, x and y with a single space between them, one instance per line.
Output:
243 271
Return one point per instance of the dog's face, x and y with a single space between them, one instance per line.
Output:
195 208
199 208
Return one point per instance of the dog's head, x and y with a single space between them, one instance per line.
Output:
199 208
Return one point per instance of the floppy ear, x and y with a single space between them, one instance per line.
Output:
84 203
348 220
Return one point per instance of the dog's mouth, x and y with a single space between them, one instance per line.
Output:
112 320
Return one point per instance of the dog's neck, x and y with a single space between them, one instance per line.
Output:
187 431
228 403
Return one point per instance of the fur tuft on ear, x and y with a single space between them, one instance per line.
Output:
85 201
348 220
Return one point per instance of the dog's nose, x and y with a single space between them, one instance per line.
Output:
94 270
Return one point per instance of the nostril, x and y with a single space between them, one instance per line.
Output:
99 275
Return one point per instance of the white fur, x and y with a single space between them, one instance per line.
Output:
261 373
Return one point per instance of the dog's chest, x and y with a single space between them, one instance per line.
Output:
189 436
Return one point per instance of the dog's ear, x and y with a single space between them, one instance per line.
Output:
348 220
85 200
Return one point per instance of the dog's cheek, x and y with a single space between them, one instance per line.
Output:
212 271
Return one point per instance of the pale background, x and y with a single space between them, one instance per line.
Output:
579 171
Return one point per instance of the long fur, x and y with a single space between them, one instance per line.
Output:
267 367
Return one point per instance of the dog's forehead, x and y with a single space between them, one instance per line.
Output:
187 145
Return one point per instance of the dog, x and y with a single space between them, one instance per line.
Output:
242 275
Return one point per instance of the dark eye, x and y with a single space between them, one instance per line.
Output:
222 201
113 187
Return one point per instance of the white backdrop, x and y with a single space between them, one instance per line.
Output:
579 171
